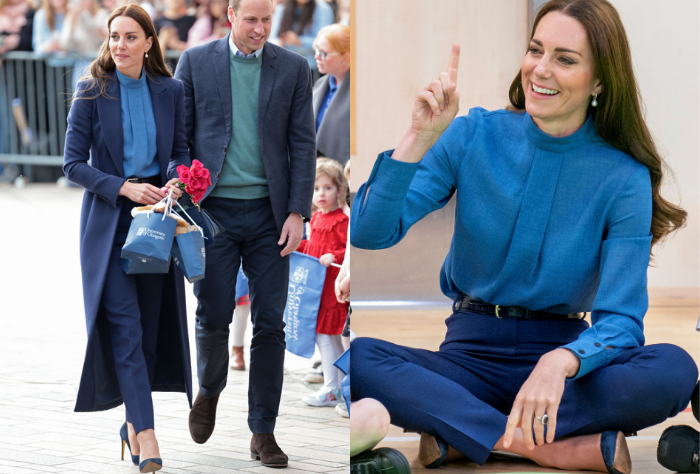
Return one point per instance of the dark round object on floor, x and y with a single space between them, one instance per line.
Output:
380 461
679 449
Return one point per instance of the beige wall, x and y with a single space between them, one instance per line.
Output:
665 46
401 45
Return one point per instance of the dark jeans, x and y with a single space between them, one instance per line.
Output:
249 233
464 392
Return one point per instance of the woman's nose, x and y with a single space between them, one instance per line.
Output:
542 69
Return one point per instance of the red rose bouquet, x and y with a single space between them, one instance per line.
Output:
194 180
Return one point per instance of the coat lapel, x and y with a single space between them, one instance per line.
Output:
268 74
164 115
110 113
223 78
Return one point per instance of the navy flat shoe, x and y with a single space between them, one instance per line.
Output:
615 452
151 465
432 451
124 434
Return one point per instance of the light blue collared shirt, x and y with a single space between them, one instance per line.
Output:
238 52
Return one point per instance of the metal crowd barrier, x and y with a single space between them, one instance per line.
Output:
36 89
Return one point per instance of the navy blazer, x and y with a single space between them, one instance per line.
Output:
286 131
95 132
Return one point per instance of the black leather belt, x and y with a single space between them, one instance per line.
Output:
465 303
154 180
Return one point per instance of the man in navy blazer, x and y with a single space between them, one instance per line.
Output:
249 120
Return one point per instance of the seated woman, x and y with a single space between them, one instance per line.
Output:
558 208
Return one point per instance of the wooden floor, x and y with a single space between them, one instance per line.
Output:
672 318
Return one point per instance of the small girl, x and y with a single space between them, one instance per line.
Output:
327 239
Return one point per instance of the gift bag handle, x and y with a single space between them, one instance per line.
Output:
189 217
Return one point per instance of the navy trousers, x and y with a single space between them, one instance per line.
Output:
131 305
249 233
464 392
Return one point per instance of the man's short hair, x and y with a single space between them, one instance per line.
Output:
236 4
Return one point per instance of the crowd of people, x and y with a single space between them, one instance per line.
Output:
79 27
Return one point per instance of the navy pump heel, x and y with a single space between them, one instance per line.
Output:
151 465
124 434
616 454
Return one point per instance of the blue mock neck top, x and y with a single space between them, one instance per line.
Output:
546 223
139 127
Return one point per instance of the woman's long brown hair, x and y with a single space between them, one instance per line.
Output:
618 117
102 66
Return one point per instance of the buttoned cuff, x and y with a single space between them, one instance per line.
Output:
591 353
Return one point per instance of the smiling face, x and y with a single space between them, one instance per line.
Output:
250 25
128 45
325 194
558 75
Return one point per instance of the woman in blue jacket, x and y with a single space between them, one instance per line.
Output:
128 118
558 207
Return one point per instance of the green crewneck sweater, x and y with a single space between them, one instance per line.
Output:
243 172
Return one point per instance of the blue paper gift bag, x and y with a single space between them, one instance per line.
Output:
306 277
241 283
189 255
148 244
343 363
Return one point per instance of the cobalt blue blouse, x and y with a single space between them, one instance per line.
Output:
553 224
139 127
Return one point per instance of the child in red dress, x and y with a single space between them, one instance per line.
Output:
327 240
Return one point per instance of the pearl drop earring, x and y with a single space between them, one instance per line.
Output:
146 53
594 102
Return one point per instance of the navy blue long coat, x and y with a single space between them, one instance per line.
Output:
95 131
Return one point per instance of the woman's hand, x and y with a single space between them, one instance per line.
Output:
434 108
327 259
177 192
541 394
142 193
291 39
342 282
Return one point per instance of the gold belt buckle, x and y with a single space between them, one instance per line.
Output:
498 315
132 180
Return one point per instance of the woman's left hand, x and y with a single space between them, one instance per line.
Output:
541 394
177 192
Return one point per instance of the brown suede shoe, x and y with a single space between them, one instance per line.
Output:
263 447
203 418
237 360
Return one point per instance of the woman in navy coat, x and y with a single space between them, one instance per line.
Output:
128 118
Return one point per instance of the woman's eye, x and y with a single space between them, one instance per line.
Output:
132 38
567 61
533 50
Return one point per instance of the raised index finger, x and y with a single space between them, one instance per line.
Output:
453 64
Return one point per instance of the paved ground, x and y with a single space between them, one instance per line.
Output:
42 344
